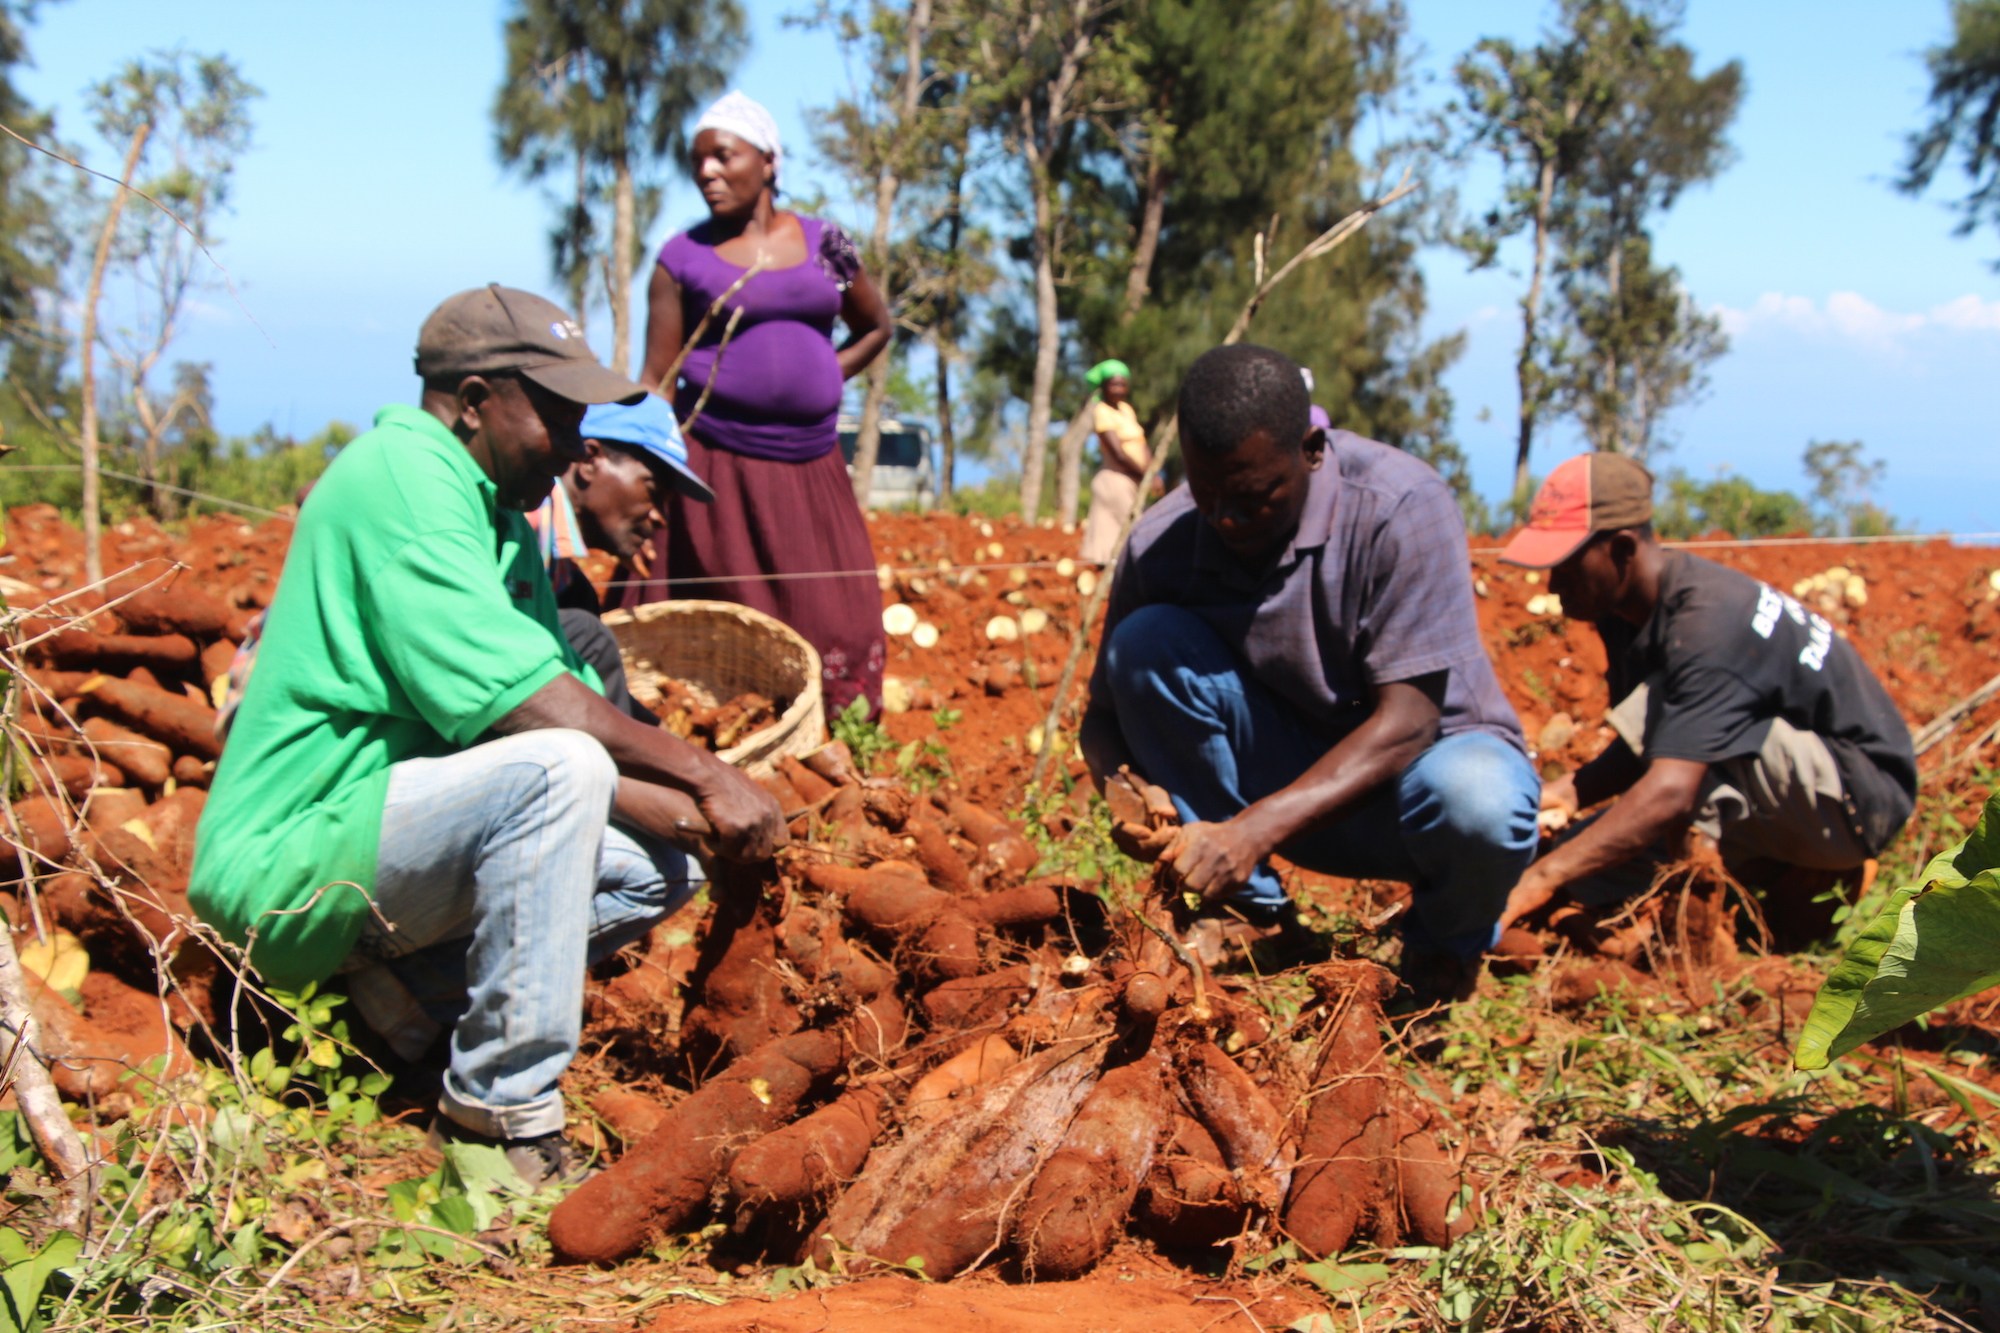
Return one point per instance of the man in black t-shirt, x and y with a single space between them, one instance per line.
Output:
1738 711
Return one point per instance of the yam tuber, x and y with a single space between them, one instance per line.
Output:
143 759
1249 1130
76 648
943 1194
1341 1185
812 1158
665 1181
1190 1200
973 1067
182 609
1076 1209
946 868
1000 844
174 719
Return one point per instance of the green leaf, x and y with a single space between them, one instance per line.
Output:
1935 942
27 1275
1334 1278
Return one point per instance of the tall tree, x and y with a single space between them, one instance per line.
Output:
1964 115
1184 192
34 243
1039 70
1843 488
1641 342
879 139
1599 127
602 91
22 273
1534 109
191 112
1643 346
194 111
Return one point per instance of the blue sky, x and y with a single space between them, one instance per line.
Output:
373 190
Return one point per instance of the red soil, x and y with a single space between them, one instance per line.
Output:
1142 1294
1928 628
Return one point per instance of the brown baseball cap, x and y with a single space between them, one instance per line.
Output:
1596 492
493 329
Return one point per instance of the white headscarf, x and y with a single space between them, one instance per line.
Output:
734 113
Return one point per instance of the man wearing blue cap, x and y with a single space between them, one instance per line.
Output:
611 500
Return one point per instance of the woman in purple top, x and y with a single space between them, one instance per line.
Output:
760 415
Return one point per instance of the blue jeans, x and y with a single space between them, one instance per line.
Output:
504 879
1458 826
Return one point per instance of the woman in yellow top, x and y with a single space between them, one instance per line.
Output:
1114 491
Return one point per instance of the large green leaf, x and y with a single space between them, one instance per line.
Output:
1936 941
25 1274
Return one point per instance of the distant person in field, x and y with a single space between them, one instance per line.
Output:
1121 444
611 501
784 534
422 787
1291 651
1739 713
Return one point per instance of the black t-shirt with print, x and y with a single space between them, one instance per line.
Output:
1731 654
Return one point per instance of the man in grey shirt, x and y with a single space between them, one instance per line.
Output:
1292 652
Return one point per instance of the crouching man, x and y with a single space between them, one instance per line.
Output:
612 500
1291 651
421 785
1738 712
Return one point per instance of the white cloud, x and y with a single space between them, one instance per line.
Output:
1853 317
1970 314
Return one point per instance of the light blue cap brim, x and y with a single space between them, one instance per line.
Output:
649 427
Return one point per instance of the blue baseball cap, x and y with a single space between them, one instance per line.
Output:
648 427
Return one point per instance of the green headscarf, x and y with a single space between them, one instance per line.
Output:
1107 370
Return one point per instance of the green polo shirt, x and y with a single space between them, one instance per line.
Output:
414 612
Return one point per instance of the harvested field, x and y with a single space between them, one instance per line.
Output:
944 1038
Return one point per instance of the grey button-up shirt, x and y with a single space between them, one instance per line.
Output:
1375 587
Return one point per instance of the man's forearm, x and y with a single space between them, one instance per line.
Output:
1377 751
1610 774
1657 807
664 812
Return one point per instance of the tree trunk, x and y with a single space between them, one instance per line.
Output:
1070 451
1611 426
1152 211
41 1109
1069 465
621 265
1048 329
1526 371
888 182
942 327
93 518
868 434
579 260
947 436
1048 341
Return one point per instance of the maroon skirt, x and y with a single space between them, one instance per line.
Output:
788 539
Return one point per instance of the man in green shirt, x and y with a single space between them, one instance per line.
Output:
421 783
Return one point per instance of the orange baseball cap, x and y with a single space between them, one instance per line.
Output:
1595 492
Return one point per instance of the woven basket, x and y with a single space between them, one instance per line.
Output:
729 649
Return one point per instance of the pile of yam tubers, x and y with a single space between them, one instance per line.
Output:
905 1048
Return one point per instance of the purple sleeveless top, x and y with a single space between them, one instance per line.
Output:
777 389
